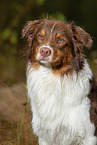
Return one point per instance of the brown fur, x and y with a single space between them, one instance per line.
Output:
67 41
67 54
93 98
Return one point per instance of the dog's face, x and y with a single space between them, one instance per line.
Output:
52 44
56 44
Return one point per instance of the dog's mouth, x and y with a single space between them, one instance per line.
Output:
44 62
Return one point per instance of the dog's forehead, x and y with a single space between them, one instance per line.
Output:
56 26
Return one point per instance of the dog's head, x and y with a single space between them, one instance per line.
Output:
56 44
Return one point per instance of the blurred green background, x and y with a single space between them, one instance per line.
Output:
15 13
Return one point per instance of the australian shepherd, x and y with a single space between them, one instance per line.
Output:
60 83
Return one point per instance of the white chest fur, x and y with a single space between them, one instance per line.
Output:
60 106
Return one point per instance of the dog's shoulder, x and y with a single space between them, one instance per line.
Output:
93 98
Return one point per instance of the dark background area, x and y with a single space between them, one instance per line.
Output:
15 13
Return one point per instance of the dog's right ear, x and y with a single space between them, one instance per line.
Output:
29 29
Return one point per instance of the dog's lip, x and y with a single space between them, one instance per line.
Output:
44 62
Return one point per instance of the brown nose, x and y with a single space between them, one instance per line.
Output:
45 51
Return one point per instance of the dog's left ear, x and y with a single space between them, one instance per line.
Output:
82 37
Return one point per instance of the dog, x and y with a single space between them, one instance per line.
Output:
60 83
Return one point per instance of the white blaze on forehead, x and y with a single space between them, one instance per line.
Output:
52 30
53 27
46 45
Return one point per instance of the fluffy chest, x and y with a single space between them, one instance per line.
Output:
53 96
60 106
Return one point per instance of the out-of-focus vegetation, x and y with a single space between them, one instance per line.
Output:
15 13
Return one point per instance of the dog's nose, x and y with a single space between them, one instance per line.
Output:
45 52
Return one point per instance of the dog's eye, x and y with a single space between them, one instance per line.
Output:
60 40
40 36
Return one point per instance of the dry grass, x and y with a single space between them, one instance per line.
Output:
25 134
15 117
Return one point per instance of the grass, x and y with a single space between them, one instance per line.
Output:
20 133
19 128
25 134
15 117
